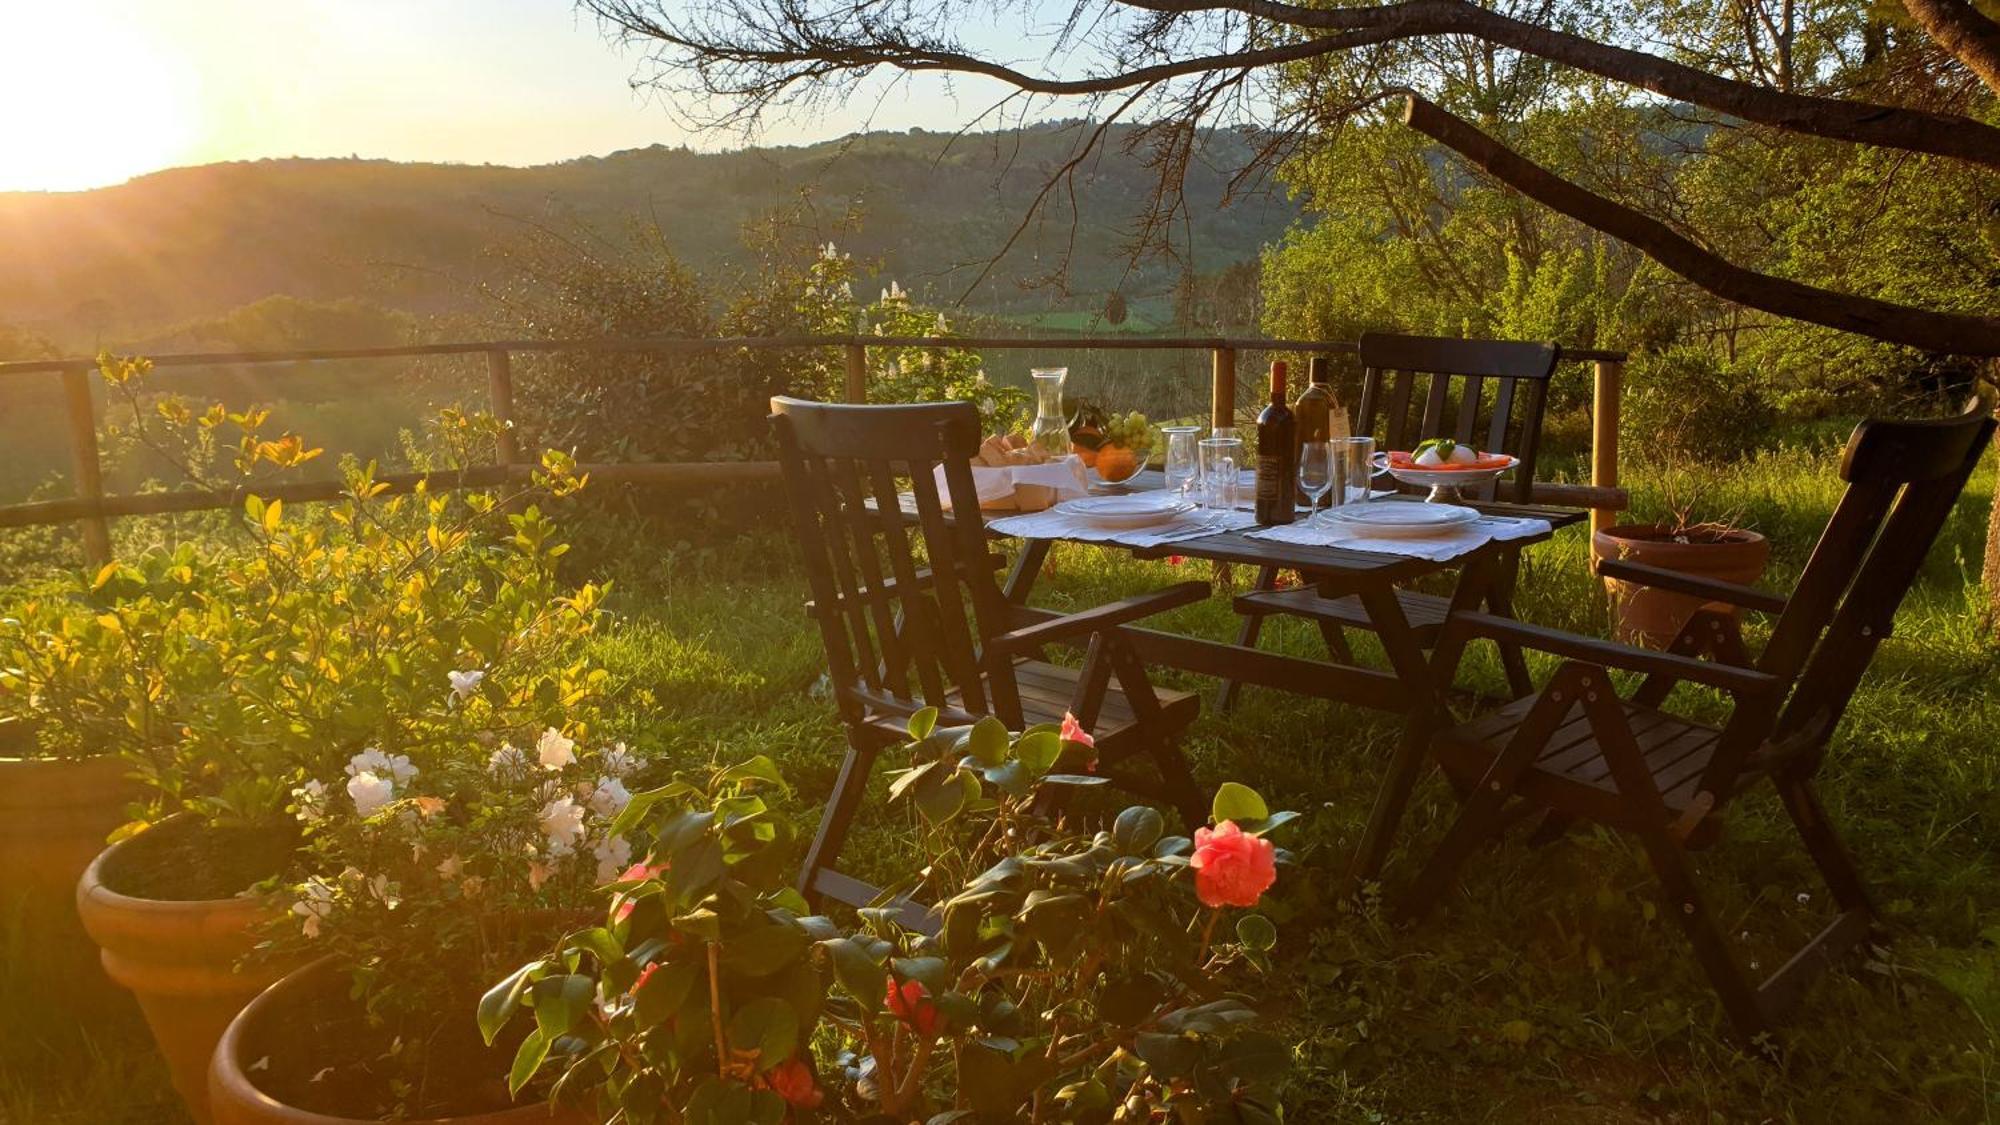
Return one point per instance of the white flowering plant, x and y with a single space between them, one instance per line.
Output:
471 858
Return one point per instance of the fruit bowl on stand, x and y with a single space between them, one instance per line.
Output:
1112 447
1444 467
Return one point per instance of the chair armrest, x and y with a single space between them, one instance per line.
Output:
1107 616
1712 589
1611 654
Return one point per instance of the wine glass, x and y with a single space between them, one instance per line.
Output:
1221 475
1316 472
1183 467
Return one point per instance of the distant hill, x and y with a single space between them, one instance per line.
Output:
131 262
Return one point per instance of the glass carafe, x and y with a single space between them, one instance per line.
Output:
1050 433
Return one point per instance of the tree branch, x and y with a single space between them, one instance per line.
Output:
1940 134
1882 320
1964 33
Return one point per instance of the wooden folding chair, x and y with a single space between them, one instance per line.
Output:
1407 386
904 631
1576 751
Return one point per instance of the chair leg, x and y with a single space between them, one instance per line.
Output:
849 786
1683 900
1246 637
1835 864
1479 819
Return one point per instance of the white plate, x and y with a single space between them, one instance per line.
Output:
1137 509
1403 518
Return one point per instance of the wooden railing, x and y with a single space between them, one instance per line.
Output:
91 507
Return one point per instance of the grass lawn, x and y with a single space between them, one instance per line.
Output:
1551 989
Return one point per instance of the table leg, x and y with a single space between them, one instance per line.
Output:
1246 637
1406 656
1027 567
1500 601
1426 703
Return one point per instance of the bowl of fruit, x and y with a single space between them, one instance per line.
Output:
1114 447
1444 466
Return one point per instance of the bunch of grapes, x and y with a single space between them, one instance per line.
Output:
1129 430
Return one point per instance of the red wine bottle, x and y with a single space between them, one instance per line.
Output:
1277 455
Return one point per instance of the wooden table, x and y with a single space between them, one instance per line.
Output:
1486 577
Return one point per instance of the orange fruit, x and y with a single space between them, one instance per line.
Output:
1085 454
1116 463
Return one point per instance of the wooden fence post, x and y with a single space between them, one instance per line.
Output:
500 395
857 373
1222 390
89 471
1606 393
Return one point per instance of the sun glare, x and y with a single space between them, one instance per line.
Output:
90 100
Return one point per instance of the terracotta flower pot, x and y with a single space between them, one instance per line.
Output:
1654 617
267 1035
179 961
54 816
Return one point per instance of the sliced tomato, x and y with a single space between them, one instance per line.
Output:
1486 461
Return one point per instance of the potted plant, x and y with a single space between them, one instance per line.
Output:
1681 542
429 881
58 801
1073 973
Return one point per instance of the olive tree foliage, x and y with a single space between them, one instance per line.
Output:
1914 86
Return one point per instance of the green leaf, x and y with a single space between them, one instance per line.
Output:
527 1061
1269 824
987 741
900 787
1256 933
764 950
922 723
497 1006
860 975
1238 802
942 795
767 1026
665 991
559 1001
1037 750
704 924
1078 779
1137 828
931 972
759 768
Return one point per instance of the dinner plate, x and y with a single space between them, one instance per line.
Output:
1402 518
1137 509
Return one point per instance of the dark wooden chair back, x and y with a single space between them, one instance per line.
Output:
903 611
1406 392
1903 477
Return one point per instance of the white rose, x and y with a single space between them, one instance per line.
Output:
610 797
464 684
554 751
395 767
315 903
309 802
613 854
562 823
370 792
620 761
507 760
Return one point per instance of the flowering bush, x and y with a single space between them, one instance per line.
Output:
1076 978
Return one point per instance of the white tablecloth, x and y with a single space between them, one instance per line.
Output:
1440 547
1053 524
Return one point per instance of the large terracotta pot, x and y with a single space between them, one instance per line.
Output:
54 816
179 961
1652 616
268 1031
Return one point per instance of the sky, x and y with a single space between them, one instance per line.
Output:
98 91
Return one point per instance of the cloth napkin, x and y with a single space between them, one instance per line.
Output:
1439 547
1061 525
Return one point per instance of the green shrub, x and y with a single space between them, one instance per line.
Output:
1680 404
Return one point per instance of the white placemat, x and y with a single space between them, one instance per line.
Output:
1052 524
1437 548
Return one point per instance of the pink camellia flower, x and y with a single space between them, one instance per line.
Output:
792 1080
1176 560
645 975
636 871
1232 867
912 1004
1072 731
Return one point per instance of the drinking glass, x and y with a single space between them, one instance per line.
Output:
1354 469
1221 474
1183 465
1316 472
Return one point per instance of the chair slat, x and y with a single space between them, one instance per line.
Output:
837 513
1433 423
1399 410
1468 409
955 637
864 528
918 643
